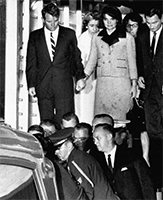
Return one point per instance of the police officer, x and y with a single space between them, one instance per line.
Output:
82 167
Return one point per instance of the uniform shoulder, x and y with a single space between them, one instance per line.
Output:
84 156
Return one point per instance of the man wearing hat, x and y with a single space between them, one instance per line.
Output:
128 175
82 167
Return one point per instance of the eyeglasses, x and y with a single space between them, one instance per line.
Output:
132 25
81 139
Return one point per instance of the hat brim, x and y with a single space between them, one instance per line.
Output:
60 142
120 123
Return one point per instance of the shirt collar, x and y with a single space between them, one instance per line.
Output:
47 31
112 153
157 32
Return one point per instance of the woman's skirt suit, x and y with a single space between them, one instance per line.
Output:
115 59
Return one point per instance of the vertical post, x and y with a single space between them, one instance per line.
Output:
66 12
78 17
11 63
36 22
22 85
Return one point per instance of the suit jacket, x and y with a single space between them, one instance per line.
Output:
101 189
131 176
148 67
67 63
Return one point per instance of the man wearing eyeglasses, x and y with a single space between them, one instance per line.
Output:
82 137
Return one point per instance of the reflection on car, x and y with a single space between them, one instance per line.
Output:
24 171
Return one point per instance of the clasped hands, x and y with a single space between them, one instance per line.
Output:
80 84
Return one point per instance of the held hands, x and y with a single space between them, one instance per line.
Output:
133 91
32 92
80 84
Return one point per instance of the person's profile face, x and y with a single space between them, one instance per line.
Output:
51 22
110 23
62 152
100 138
93 26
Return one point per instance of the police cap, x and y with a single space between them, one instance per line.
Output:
61 136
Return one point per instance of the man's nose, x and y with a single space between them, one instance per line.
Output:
56 152
95 141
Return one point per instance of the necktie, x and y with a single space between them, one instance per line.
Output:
109 163
152 47
52 44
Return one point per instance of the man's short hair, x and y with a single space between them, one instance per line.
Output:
50 122
106 127
69 116
83 126
153 11
36 128
51 9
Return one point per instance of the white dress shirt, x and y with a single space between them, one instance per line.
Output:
112 157
158 32
47 37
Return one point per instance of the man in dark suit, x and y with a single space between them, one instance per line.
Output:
150 70
51 52
82 167
128 175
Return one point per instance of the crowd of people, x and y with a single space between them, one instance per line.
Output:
100 98
80 152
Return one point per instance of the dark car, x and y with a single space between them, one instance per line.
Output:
25 173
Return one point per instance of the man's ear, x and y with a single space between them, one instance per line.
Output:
109 136
123 135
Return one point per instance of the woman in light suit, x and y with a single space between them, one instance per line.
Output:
84 101
113 50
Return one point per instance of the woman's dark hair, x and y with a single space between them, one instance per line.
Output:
133 16
112 11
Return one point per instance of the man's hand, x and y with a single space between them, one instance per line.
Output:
80 84
32 92
141 82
